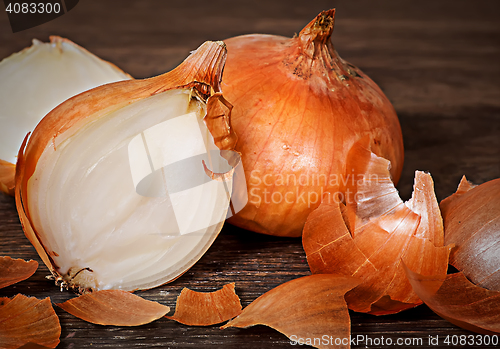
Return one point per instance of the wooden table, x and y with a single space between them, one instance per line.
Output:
437 61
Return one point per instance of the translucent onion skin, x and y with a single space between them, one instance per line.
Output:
472 222
298 109
48 73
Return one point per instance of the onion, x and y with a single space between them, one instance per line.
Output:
112 188
33 82
298 110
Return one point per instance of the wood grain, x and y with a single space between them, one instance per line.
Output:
437 61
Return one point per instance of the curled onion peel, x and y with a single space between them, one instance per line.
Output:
470 298
371 236
113 188
298 110
472 222
456 299
36 80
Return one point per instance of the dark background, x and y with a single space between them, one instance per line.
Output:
437 61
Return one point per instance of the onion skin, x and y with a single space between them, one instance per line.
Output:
114 307
472 222
206 308
15 270
28 320
298 109
308 307
7 174
371 236
456 299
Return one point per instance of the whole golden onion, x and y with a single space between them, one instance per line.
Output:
298 109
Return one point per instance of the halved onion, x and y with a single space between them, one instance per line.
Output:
33 82
115 188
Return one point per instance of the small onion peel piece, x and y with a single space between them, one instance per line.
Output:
15 270
206 308
459 301
308 307
114 307
375 232
28 320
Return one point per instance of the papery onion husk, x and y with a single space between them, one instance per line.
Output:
456 299
33 82
375 233
206 308
472 222
115 189
28 320
299 108
304 310
114 307
15 270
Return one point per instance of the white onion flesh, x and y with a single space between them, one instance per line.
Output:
88 210
39 78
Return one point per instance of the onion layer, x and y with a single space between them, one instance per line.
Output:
36 80
298 110
112 188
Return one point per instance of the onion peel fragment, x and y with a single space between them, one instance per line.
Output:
15 270
307 307
458 300
205 309
28 320
370 236
114 307
472 222
7 174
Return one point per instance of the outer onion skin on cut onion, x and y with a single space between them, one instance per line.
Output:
298 109
77 194
36 80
